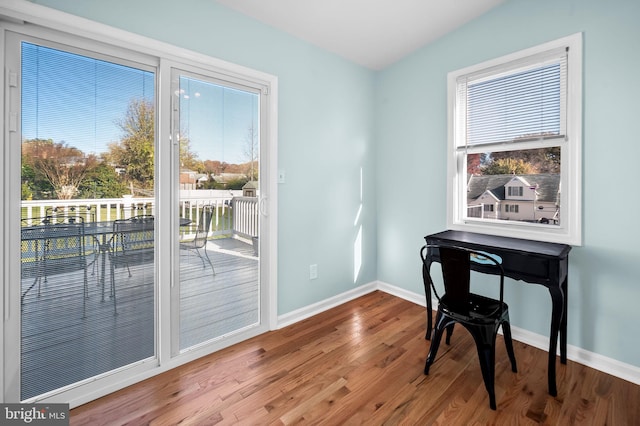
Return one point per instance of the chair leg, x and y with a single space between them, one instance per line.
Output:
209 260
506 331
449 333
85 294
433 350
438 330
113 290
485 338
204 265
486 355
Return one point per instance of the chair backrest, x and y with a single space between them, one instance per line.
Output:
455 274
87 212
133 236
456 264
53 244
203 226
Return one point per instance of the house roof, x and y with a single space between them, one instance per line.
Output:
548 186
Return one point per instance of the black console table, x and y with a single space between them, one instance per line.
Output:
530 261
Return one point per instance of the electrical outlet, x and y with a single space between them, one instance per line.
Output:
313 271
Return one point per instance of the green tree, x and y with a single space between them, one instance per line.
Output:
134 153
235 183
34 185
102 182
26 192
507 166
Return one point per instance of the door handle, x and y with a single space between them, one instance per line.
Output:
262 207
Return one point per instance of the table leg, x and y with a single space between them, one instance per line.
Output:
563 321
427 292
426 265
103 253
556 321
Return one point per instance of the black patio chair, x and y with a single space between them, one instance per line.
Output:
481 316
53 245
200 239
132 243
88 213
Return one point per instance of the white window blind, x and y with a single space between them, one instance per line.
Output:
518 101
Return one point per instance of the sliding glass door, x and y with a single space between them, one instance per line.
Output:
135 192
217 140
87 293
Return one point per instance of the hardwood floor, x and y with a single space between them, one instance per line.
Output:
362 363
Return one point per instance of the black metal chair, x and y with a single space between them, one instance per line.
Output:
53 245
480 315
132 243
88 213
200 239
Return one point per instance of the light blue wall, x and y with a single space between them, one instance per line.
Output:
411 135
336 118
325 133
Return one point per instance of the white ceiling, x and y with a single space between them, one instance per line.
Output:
372 33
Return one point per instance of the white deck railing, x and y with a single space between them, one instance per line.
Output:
236 216
246 216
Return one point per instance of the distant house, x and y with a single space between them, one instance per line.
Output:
190 179
250 189
528 198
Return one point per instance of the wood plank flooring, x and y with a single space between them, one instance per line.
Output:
362 363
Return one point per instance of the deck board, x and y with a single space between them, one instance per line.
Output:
61 345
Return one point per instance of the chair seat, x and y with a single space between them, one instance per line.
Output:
134 257
190 245
202 235
479 309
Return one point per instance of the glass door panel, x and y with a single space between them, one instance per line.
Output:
87 269
216 126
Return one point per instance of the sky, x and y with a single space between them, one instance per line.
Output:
80 100
217 119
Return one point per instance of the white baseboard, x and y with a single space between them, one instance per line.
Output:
416 298
593 360
599 362
332 302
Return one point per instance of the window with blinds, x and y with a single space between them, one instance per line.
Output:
525 101
518 117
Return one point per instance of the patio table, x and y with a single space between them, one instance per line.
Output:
102 233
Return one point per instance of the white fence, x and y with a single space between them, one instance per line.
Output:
246 215
238 216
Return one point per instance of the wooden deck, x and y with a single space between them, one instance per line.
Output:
66 339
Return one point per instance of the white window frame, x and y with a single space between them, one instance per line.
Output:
570 229
515 191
